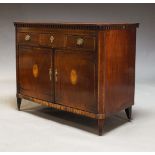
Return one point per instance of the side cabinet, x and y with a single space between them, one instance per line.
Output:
87 69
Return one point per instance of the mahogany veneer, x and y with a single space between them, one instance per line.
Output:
83 68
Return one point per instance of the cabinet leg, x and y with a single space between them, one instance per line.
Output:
100 126
19 100
128 112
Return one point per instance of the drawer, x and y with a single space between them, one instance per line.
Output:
27 38
51 39
80 41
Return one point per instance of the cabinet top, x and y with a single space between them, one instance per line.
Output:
77 25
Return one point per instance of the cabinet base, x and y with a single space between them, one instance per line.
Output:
99 117
60 107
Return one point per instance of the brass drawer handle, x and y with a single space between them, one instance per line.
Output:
51 39
79 41
50 74
56 75
27 37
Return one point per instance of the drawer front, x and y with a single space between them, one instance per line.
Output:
51 39
80 42
57 39
28 38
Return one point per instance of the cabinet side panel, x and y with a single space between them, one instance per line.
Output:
120 69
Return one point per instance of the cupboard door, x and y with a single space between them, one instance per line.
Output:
35 72
75 80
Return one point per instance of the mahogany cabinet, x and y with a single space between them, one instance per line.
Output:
83 68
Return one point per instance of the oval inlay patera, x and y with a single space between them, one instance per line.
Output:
35 70
73 76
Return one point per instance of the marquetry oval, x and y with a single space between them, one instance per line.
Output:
73 77
35 70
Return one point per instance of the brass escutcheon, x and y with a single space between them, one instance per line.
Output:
51 39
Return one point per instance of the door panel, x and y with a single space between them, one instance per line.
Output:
75 80
34 77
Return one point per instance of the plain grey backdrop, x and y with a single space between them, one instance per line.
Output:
38 129
141 13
